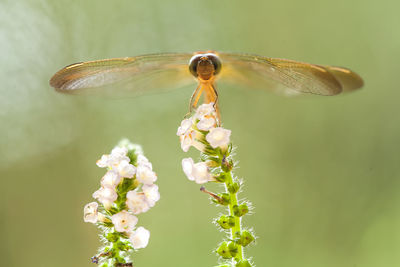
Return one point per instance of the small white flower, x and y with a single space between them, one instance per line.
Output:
140 238
206 123
110 179
187 140
218 137
124 221
151 194
187 166
130 146
117 155
90 212
143 161
136 202
198 172
145 175
103 161
125 169
205 109
186 124
106 196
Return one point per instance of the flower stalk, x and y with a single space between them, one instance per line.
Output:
203 132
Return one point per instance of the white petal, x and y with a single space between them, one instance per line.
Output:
186 124
104 161
124 221
119 152
218 137
187 140
187 166
145 175
90 212
136 202
206 123
110 179
125 169
205 109
151 193
143 161
201 173
140 238
106 196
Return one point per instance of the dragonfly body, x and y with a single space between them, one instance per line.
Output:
133 76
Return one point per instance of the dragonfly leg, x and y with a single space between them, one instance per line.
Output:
194 99
216 106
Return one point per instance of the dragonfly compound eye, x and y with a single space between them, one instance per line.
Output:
194 61
215 61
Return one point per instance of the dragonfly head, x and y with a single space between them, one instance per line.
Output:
205 66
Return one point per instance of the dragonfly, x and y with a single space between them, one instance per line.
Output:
152 73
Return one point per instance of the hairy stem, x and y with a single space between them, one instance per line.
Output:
234 201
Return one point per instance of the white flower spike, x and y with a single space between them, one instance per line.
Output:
216 157
129 176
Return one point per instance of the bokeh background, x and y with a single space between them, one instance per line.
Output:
322 172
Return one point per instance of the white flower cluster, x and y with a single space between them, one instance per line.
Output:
201 131
139 200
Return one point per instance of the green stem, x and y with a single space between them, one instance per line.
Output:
234 201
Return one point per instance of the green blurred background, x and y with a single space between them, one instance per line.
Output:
322 172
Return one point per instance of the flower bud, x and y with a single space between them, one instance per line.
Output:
243 263
212 163
223 251
226 222
233 188
223 199
221 178
112 237
226 165
240 210
245 238
233 248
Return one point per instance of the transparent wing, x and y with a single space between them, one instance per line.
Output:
129 76
287 77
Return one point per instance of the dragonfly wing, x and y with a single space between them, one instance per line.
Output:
286 76
129 76
349 80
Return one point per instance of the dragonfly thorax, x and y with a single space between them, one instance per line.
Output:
205 66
